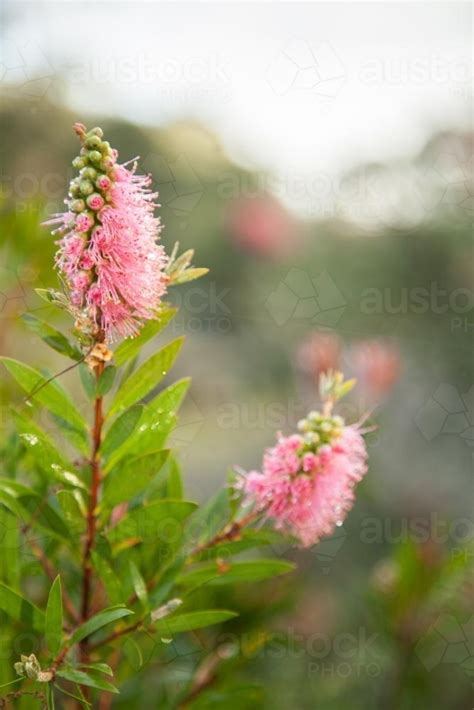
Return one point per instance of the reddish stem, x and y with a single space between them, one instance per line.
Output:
91 513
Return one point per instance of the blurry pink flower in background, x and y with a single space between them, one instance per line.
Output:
262 226
377 365
318 353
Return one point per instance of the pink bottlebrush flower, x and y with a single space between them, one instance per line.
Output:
305 487
112 265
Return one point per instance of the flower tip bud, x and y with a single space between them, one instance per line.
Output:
80 129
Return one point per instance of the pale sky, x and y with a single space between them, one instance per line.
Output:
300 89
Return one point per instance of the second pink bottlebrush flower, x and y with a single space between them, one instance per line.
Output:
113 267
306 485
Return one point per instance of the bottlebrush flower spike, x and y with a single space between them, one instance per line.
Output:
307 481
113 268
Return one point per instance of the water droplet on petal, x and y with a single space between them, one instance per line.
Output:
339 523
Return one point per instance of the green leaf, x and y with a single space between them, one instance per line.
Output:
82 678
96 622
50 395
100 667
189 275
50 704
51 336
106 381
9 547
110 580
139 586
132 346
80 698
160 521
73 508
129 480
53 624
20 609
44 452
133 653
122 428
88 380
192 620
209 519
157 420
147 376
31 506
234 572
248 540
174 484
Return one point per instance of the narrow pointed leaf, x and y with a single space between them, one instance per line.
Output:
234 572
139 585
20 609
87 679
100 667
106 381
51 336
129 480
122 428
132 346
192 620
53 625
104 617
50 395
157 420
159 522
143 380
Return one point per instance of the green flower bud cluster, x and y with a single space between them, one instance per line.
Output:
95 163
320 429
